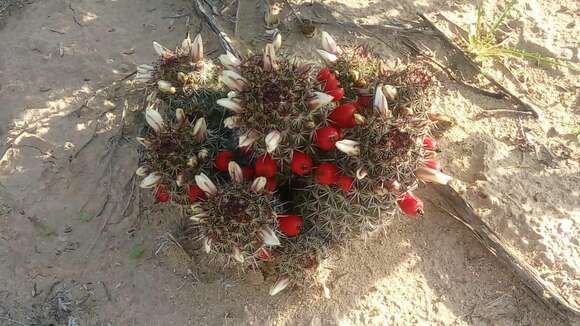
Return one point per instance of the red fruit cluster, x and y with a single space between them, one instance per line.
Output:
290 225
223 159
410 204
265 166
345 182
195 193
326 137
429 143
344 116
364 101
432 164
331 84
271 184
301 163
327 174
162 194
264 254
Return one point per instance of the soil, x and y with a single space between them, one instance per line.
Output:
80 244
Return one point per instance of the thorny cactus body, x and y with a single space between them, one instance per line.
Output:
355 68
183 78
336 216
389 147
237 219
296 262
274 103
174 154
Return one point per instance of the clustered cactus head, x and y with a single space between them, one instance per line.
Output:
353 68
181 77
238 219
174 154
342 146
389 154
296 262
274 102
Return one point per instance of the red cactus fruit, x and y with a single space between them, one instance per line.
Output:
365 101
337 94
195 193
222 159
248 173
326 137
290 225
324 74
162 194
343 116
301 163
432 164
264 254
345 182
265 166
429 143
410 205
271 184
331 83
327 174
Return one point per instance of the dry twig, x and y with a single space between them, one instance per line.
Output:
544 291
215 27
521 104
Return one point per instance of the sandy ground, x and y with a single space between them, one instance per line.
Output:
64 218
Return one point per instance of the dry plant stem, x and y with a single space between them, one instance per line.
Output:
294 12
524 106
386 26
414 49
74 15
12 321
130 199
465 214
215 27
505 111
236 33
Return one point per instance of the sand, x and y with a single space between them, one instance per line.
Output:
64 184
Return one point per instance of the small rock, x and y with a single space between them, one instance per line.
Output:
67 229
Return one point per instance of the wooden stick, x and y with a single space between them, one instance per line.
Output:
237 21
215 27
414 49
547 293
524 106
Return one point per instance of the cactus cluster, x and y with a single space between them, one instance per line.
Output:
238 217
183 77
174 154
275 103
278 161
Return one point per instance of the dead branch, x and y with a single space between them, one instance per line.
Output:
74 15
101 230
237 21
545 292
12 321
505 111
223 37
